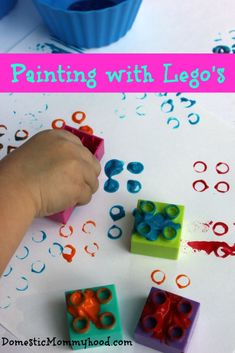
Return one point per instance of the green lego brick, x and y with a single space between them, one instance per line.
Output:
160 247
94 336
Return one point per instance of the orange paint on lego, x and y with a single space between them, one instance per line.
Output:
91 253
182 276
86 305
65 235
75 116
58 123
69 257
86 129
85 224
162 274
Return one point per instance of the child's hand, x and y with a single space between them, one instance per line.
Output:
53 170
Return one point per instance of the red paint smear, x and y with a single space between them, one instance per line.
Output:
10 149
75 117
178 278
213 246
84 226
91 253
86 129
159 282
69 257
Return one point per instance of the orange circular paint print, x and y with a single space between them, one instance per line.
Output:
158 273
182 281
63 234
78 117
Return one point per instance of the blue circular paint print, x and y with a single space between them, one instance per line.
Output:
114 232
111 185
113 167
135 167
134 186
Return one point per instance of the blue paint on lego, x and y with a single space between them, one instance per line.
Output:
114 232
134 186
113 167
117 212
111 185
135 167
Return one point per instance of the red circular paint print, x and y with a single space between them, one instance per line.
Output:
179 283
58 124
200 185
200 167
222 168
158 273
77 115
21 135
222 229
222 186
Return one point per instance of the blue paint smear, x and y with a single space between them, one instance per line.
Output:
8 272
41 238
139 112
167 106
117 212
8 303
114 232
135 167
111 185
25 254
142 97
113 167
59 248
38 267
123 96
189 102
134 186
176 126
26 286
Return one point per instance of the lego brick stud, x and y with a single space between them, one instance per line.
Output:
93 316
157 229
167 322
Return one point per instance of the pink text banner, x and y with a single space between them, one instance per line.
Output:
117 73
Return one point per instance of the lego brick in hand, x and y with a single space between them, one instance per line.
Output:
157 229
90 23
93 313
6 6
95 145
167 322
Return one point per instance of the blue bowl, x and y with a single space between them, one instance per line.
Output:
6 6
88 23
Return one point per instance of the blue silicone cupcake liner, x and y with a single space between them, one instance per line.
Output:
6 6
88 28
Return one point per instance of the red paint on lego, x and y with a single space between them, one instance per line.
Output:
181 285
85 224
162 274
65 235
58 124
69 257
77 114
213 247
166 316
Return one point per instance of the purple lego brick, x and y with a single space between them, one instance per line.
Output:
167 322
95 145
